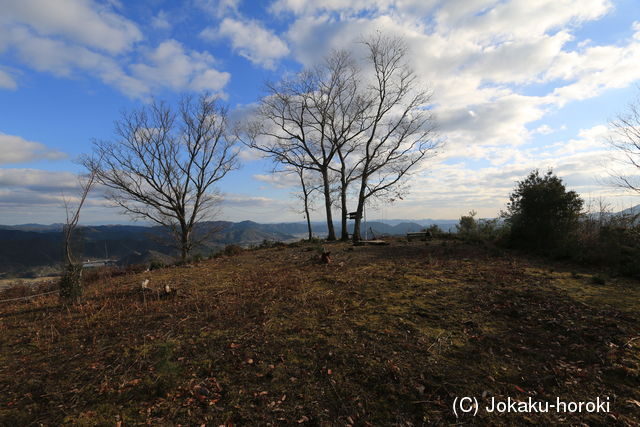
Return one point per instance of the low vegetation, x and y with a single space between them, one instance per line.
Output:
379 335
544 218
542 214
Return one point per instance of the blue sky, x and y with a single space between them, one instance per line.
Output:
517 85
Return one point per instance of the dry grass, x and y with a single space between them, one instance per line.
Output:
37 281
382 335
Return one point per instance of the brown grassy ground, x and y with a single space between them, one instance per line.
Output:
381 336
36 281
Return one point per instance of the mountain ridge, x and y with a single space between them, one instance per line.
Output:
32 249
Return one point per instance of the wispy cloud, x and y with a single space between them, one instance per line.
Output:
250 39
80 37
15 149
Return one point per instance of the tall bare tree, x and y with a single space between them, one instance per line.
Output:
347 122
625 138
368 124
308 186
399 126
164 163
304 121
71 281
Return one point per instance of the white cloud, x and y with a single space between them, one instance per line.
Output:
170 65
279 180
504 63
247 154
477 55
60 46
161 21
495 21
596 69
481 57
544 130
14 149
247 201
499 123
37 179
62 59
251 40
80 21
451 189
7 81
241 207
218 8
301 7
35 195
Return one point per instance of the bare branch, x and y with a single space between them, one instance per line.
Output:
625 138
165 162
73 215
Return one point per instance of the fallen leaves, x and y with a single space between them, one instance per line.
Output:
383 337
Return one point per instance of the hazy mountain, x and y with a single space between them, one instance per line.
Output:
33 227
445 224
634 210
28 247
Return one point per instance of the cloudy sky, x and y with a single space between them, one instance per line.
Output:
518 84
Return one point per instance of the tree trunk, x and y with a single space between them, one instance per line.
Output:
327 203
306 209
356 227
361 200
344 234
185 237
305 199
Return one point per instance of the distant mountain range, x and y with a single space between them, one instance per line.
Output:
34 249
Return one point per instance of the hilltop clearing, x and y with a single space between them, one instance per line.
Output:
380 335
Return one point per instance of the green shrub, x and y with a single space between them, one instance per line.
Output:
435 230
611 245
543 216
479 230
467 227
232 250
71 283
155 265
266 244
610 240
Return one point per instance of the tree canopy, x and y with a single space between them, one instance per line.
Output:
541 212
164 163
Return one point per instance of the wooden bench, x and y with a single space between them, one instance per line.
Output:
420 235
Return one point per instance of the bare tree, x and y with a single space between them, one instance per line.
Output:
71 281
368 124
347 122
290 131
308 186
164 164
304 121
625 138
399 127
